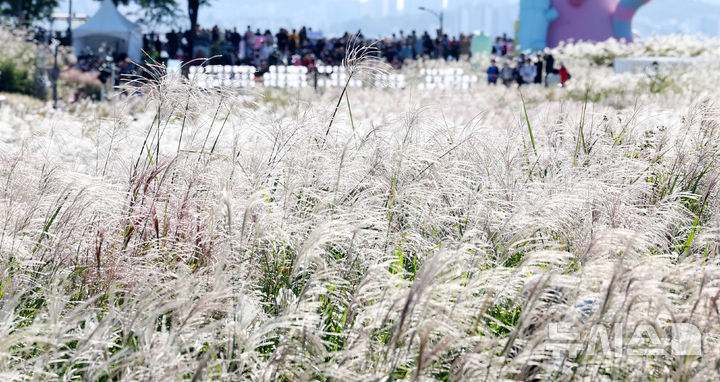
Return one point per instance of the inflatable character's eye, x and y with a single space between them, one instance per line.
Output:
576 3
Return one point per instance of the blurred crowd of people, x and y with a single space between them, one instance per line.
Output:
503 46
305 47
105 62
298 47
524 70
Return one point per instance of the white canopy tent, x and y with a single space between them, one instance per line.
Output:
111 29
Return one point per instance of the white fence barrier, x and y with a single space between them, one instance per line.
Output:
209 76
447 79
286 77
643 64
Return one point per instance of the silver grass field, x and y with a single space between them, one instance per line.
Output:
180 233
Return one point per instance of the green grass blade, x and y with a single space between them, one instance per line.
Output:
527 120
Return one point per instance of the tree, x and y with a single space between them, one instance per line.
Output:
193 9
27 11
161 11
154 11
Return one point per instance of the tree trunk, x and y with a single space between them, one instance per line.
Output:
193 7
21 12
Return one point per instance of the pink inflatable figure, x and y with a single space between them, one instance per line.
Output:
592 20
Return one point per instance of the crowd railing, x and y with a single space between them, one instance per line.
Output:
325 76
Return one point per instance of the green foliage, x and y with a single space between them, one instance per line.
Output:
163 12
605 59
20 63
155 11
28 10
659 82
501 318
14 79
407 262
514 260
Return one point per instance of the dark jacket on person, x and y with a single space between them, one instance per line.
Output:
538 71
549 63
493 73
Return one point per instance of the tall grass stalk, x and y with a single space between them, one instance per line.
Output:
202 234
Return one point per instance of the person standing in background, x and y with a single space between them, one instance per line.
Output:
564 74
249 42
493 73
269 38
539 69
549 63
465 43
302 36
509 47
507 74
528 72
293 42
412 43
235 40
173 42
428 45
282 38
498 48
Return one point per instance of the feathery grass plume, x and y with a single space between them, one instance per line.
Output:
188 233
361 61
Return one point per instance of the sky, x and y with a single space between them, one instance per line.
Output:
383 17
